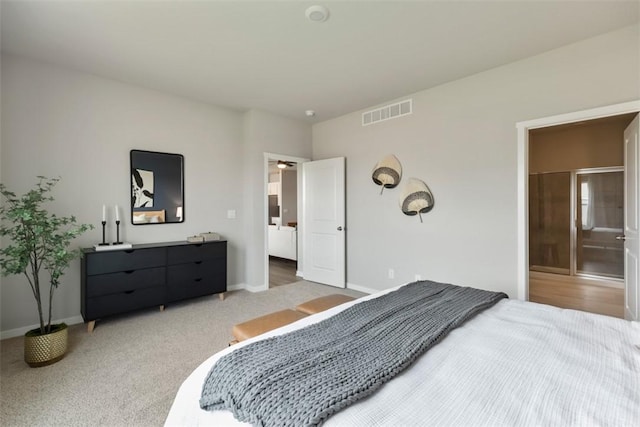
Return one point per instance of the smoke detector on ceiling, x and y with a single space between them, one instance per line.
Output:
317 13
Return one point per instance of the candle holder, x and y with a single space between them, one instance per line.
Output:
117 242
104 243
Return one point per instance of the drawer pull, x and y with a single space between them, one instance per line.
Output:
198 262
129 292
129 271
198 279
129 251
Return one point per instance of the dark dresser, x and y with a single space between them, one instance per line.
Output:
148 275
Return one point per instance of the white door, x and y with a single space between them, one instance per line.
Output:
323 195
631 212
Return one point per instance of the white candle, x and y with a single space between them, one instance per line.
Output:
117 216
104 213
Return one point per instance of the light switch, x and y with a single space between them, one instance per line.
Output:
231 214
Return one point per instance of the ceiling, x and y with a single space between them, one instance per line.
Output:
267 55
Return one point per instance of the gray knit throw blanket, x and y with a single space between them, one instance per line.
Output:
303 377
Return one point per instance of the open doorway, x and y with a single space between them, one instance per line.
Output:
283 209
570 238
576 221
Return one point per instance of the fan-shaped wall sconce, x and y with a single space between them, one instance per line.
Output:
416 198
387 172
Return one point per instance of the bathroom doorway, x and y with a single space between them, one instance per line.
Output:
576 215
283 207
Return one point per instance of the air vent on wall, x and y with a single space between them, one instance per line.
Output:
387 112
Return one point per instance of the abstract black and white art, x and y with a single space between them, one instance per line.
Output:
142 188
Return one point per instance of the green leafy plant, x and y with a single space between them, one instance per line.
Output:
39 240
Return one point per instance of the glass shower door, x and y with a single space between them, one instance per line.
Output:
600 221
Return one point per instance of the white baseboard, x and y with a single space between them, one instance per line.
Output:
362 288
236 287
21 331
260 288
78 319
299 274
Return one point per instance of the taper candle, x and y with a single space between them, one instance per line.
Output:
117 216
104 213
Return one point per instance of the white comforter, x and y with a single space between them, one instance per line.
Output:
515 364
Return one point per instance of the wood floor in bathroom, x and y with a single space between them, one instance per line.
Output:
578 296
282 271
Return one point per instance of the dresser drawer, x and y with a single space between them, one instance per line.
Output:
133 259
123 302
195 289
113 283
196 252
196 279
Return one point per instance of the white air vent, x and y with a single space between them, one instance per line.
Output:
387 112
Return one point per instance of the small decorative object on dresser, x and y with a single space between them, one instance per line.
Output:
210 236
149 275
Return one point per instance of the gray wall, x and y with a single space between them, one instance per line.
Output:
461 140
58 122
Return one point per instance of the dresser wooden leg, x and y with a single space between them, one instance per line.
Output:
162 307
221 295
90 325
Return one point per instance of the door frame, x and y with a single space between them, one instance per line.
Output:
265 209
523 129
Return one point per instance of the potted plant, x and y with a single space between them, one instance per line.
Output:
39 246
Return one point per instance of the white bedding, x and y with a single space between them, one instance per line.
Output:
515 364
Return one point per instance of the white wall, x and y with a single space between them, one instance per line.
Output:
57 122
265 133
461 140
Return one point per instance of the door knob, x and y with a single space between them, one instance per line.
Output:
339 228
620 237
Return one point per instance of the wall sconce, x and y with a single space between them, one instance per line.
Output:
387 172
416 198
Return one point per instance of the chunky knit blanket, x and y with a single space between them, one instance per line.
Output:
303 377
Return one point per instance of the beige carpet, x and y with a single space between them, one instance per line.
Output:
128 370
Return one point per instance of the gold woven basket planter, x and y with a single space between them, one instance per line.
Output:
42 350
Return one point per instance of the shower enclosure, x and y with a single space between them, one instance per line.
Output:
576 222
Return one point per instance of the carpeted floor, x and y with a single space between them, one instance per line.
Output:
127 372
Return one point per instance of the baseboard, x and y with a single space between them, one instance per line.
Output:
261 288
236 287
21 331
362 288
299 274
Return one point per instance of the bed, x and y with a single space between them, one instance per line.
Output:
516 363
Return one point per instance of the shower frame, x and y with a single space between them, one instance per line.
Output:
573 227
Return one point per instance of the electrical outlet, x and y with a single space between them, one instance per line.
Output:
392 273
231 214
418 277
